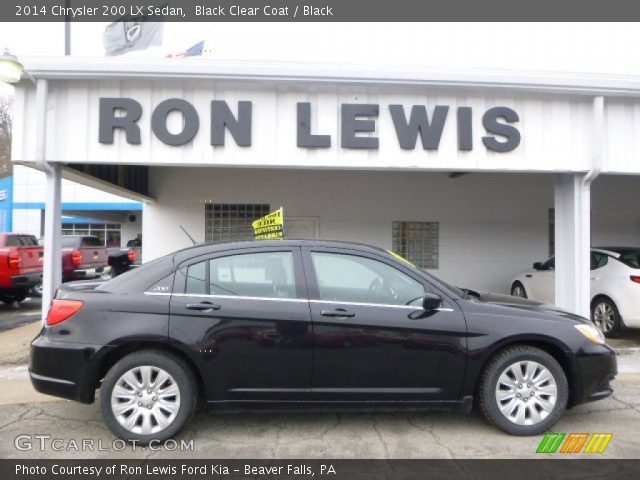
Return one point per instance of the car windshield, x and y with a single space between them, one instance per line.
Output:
631 258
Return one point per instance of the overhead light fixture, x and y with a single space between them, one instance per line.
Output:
11 70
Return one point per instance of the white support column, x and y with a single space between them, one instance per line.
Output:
52 273
572 242
573 226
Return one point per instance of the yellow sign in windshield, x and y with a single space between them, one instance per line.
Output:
269 226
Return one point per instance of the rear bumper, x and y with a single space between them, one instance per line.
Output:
84 273
63 369
596 369
26 280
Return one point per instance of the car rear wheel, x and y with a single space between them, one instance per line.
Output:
523 391
605 316
148 396
517 290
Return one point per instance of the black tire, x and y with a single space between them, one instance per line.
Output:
173 365
15 296
488 403
514 290
607 304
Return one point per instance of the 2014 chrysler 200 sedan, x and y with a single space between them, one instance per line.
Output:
308 323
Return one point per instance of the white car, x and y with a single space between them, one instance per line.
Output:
615 287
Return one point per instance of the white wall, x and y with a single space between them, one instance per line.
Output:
491 225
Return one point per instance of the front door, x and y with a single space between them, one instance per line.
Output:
372 338
244 315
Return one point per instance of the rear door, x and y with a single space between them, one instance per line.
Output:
245 316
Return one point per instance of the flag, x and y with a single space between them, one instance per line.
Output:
194 51
132 33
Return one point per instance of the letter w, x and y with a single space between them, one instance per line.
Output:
407 132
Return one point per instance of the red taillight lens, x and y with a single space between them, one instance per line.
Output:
76 258
60 310
15 260
635 278
132 256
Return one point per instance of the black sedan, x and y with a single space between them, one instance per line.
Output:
308 323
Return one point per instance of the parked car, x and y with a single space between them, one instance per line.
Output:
615 287
150 339
20 266
84 257
121 259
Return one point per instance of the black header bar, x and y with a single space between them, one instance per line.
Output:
320 10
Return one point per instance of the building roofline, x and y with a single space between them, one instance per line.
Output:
78 68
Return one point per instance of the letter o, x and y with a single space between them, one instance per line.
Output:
159 121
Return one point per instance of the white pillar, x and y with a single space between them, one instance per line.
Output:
572 242
52 273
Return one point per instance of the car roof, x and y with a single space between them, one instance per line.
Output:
204 249
617 251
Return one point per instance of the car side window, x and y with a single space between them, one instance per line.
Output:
264 274
598 260
355 279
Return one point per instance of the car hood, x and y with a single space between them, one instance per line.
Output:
527 307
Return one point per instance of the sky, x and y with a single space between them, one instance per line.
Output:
607 48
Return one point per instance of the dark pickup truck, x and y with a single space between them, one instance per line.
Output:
20 266
121 259
84 257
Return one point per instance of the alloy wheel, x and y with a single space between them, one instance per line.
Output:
145 400
526 392
604 316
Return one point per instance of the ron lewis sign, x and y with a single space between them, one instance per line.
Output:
419 126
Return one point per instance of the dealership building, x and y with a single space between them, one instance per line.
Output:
473 175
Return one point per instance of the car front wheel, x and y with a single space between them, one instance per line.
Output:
148 396
605 316
523 391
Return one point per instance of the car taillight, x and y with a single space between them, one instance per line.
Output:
132 256
15 260
60 310
635 278
76 258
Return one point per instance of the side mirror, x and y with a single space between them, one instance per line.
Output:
538 266
431 301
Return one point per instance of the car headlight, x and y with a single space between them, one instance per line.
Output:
592 333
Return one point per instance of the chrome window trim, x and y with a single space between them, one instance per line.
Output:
241 297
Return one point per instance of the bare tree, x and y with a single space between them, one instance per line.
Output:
6 104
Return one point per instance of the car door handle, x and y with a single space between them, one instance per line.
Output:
338 312
528 275
203 306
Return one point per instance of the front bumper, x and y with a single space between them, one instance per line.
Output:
26 280
63 369
596 367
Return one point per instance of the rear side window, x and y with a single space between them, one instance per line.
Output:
22 241
266 274
631 259
91 242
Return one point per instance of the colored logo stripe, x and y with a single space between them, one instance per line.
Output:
598 442
550 443
574 443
